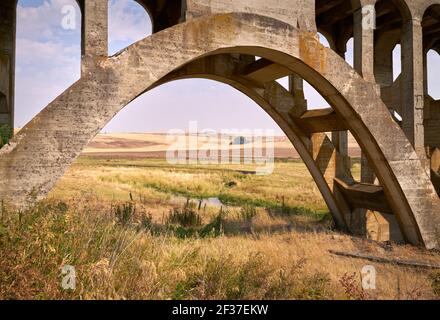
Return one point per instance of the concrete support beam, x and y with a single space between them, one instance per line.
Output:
340 142
324 155
7 61
296 88
385 42
412 87
340 138
364 196
363 36
330 163
321 120
95 33
364 65
382 227
367 173
264 71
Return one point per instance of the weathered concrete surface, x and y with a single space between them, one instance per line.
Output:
382 227
95 41
43 150
7 61
298 13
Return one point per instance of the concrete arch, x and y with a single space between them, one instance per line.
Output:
405 10
430 24
62 129
422 6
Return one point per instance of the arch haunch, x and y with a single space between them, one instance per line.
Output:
42 151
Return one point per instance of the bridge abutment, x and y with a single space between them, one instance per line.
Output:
412 88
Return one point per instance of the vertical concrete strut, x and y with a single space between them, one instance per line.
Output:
283 33
95 34
7 61
412 88
363 34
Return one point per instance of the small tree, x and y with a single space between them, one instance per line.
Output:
6 133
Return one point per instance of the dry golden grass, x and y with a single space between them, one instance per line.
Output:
131 261
273 243
155 181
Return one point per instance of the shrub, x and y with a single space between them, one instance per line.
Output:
247 213
214 228
185 217
186 223
124 213
352 288
146 221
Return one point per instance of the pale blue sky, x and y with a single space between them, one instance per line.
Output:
48 61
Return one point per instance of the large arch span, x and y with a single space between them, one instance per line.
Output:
39 155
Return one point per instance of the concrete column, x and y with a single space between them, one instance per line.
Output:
367 173
95 33
7 61
412 87
340 141
323 152
383 63
296 87
364 65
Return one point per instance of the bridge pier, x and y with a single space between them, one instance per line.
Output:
296 88
7 61
412 87
364 64
94 34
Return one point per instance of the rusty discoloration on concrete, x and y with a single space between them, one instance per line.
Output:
312 53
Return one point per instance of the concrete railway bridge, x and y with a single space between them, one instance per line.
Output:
249 44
